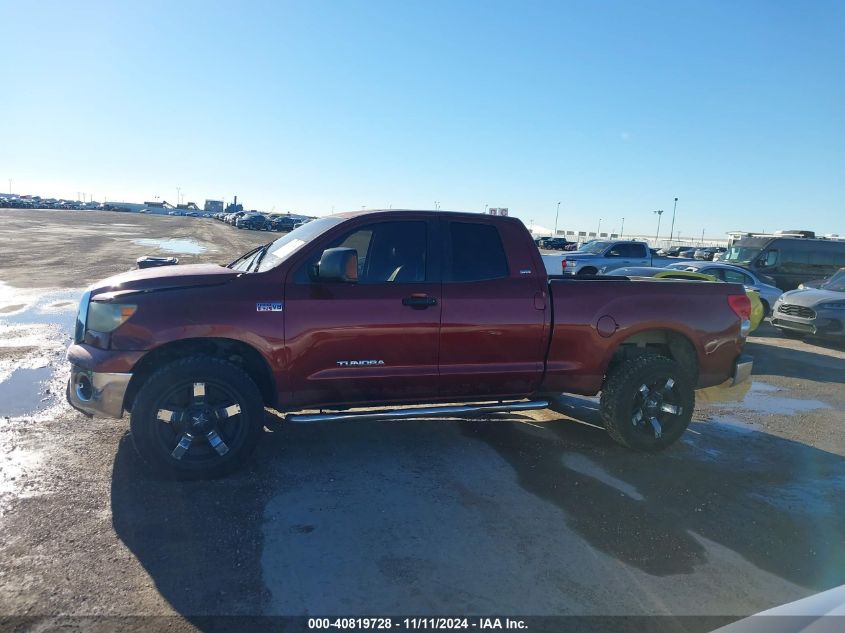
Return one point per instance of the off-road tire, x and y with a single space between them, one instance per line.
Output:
147 437
620 392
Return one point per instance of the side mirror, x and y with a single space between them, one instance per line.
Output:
338 264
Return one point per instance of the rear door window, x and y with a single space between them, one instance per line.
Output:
476 252
628 250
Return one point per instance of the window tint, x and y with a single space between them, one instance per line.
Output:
771 258
476 252
389 252
396 253
627 250
735 277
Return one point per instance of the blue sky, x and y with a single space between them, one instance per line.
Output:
612 108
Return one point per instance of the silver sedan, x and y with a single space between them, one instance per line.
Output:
735 274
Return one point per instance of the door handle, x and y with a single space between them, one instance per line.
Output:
419 301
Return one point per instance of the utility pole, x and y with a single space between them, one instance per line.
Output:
659 213
672 230
622 230
556 216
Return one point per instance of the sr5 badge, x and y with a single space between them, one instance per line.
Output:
269 306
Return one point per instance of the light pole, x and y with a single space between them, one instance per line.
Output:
178 193
598 230
622 230
485 208
436 205
557 213
659 213
672 229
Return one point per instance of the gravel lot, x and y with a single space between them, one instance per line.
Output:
532 514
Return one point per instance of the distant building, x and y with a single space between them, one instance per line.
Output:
189 206
213 206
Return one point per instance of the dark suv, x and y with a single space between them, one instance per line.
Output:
284 223
254 221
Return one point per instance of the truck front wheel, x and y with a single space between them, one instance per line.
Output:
647 402
197 417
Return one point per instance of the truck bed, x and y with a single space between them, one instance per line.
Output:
592 317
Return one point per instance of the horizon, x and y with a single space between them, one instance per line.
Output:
613 111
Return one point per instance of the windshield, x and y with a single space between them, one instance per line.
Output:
741 255
595 247
835 283
279 250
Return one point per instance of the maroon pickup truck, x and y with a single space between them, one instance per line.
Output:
390 309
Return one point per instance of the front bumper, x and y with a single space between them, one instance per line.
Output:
742 369
97 394
823 324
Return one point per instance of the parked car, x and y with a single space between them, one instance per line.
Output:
757 310
790 261
672 251
816 310
769 293
232 218
554 243
398 307
284 223
708 252
601 256
251 220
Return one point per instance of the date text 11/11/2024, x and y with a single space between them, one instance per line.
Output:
377 623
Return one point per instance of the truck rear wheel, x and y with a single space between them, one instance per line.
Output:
198 417
647 402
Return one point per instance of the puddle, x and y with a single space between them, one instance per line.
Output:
36 326
52 307
23 391
758 397
181 246
586 466
730 423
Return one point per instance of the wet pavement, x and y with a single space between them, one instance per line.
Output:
173 245
533 513
21 392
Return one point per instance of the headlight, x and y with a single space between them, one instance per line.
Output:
107 317
833 306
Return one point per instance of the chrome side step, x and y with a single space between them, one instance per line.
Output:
390 414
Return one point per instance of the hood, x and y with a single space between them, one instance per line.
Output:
811 297
164 278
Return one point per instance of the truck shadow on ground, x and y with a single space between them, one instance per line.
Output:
795 363
768 331
774 502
